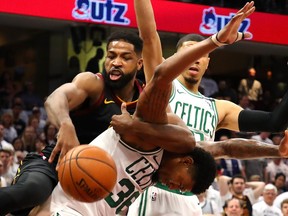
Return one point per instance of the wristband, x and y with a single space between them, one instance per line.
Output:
216 41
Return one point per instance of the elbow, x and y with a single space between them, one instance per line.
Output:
190 143
187 145
47 103
160 75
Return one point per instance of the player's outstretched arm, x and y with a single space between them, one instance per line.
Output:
152 50
245 148
155 96
166 136
61 101
275 121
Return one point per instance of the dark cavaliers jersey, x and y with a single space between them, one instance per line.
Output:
39 163
91 119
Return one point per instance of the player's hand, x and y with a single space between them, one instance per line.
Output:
283 147
122 123
229 33
66 140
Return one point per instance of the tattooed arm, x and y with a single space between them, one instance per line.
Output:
246 148
168 135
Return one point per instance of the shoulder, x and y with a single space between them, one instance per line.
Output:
89 81
87 76
227 106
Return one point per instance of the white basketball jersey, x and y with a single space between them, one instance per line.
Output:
134 172
197 111
159 201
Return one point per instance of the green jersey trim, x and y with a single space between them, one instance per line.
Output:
164 187
156 151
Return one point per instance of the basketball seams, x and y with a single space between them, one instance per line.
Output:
87 173
94 166
70 173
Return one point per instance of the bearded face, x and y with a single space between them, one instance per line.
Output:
119 83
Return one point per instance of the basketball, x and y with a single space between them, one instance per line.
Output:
87 173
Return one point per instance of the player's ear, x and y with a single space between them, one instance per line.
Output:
139 64
187 160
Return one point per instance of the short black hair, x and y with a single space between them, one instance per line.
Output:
189 37
237 176
129 37
205 170
280 174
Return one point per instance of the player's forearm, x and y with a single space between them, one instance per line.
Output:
145 18
274 121
166 136
152 50
57 109
241 149
254 184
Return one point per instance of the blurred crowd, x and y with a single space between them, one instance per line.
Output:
23 125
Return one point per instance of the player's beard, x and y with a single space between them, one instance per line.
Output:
191 80
120 83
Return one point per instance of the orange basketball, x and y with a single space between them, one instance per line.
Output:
87 173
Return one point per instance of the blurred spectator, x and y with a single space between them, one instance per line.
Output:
244 102
237 187
18 123
5 157
18 157
29 139
267 103
50 132
3 182
18 144
23 114
3 143
36 112
263 137
266 207
208 84
255 168
280 182
276 165
39 145
251 87
284 207
226 92
268 83
233 207
34 122
209 202
276 139
281 85
10 132
230 167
